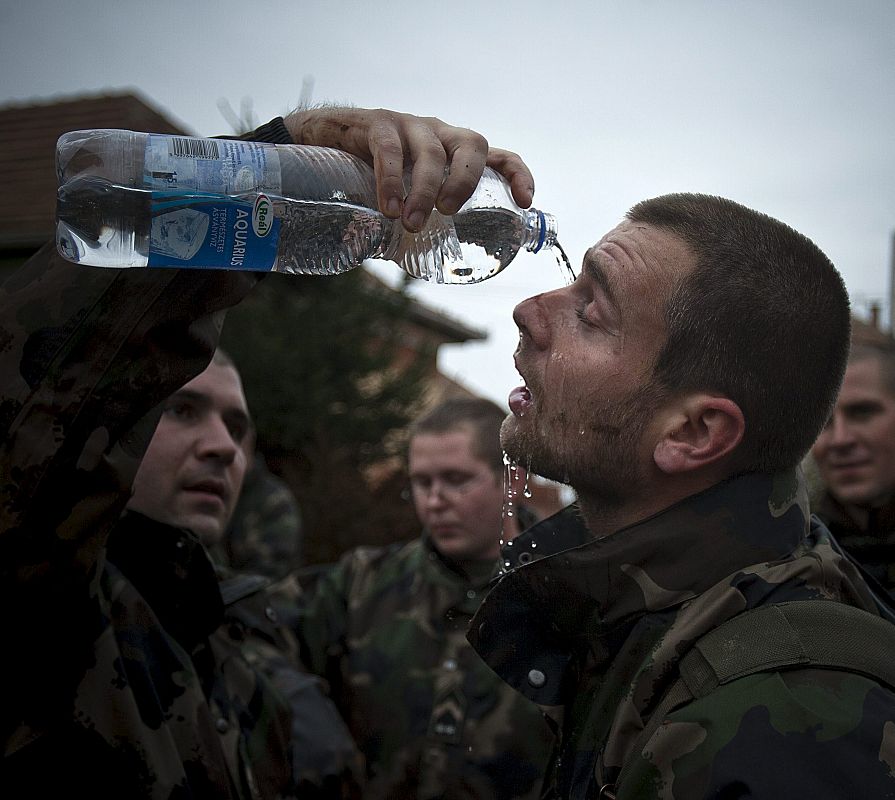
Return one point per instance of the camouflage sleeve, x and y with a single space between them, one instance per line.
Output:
325 760
322 618
264 536
800 733
85 353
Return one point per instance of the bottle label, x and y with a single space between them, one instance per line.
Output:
213 232
223 166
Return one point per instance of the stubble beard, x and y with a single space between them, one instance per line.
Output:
598 457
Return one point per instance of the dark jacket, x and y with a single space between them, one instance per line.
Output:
870 541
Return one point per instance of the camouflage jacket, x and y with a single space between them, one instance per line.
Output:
101 696
264 536
325 760
386 627
594 634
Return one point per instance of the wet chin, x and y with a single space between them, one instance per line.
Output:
512 439
523 447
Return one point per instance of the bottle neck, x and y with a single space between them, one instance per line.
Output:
539 232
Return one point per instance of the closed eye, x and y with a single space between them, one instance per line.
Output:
593 320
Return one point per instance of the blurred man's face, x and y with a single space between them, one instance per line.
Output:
855 452
193 470
458 497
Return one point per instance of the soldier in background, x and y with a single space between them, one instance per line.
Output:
188 482
855 459
387 628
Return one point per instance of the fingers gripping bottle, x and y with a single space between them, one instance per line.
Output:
129 199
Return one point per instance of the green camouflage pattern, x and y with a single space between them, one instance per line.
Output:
163 573
325 761
264 535
604 624
387 627
104 696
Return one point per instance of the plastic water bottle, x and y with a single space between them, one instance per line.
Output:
130 199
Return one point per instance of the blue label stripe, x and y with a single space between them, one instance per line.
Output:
208 231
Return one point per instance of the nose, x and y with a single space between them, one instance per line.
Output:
431 497
840 432
215 441
532 317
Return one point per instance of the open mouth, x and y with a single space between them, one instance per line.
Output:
520 400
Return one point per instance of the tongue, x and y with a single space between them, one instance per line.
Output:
520 400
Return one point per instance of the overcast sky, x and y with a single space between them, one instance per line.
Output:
784 105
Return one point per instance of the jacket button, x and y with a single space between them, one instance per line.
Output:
537 678
222 725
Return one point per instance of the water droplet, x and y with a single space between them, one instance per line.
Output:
509 488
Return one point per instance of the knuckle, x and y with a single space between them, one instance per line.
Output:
433 149
478 141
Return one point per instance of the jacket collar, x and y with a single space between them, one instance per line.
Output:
539 614
171 570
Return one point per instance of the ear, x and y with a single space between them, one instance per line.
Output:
698 431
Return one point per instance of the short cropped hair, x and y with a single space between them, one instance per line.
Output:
763 319
482 416
884 355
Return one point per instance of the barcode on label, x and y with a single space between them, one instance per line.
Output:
180 147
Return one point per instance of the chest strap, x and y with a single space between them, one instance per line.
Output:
807 634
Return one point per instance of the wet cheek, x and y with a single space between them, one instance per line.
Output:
559 378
